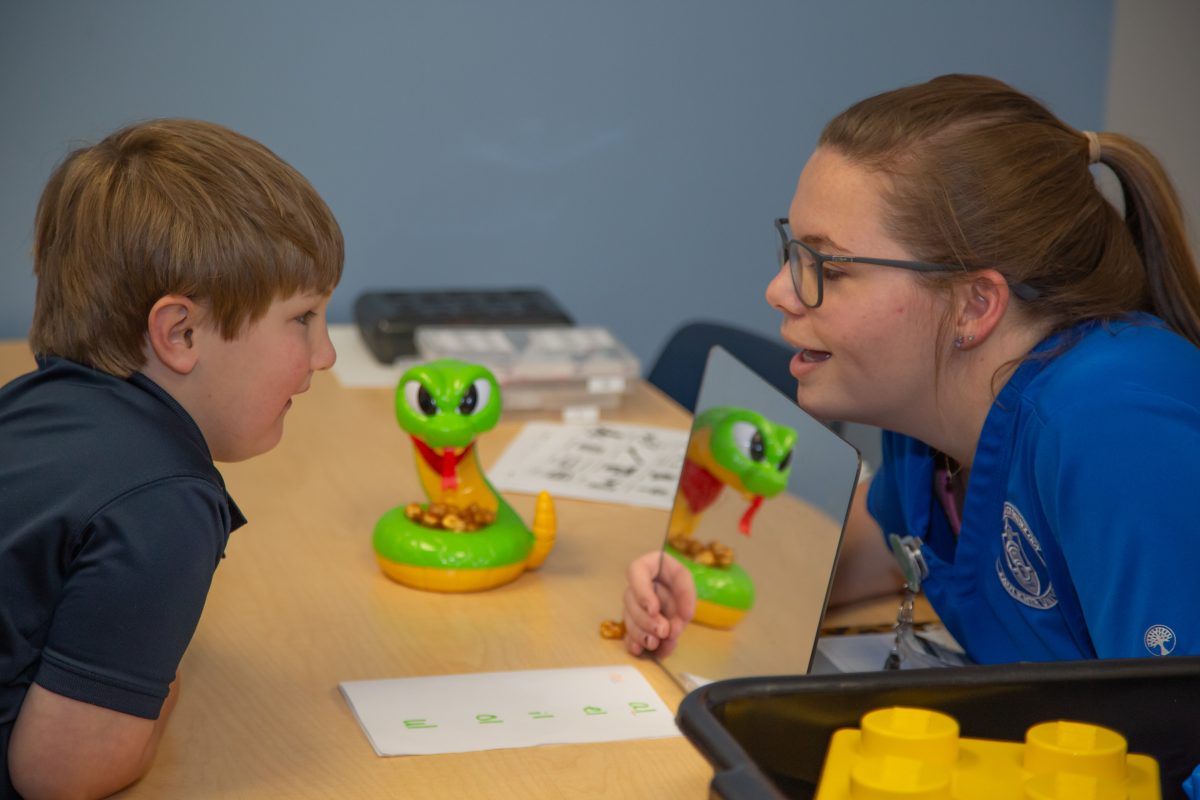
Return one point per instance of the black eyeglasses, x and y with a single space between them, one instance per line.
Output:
807 267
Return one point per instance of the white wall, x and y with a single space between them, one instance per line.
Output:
627 155
433 129
1154 89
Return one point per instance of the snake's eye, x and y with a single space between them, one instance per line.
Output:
476 397
419 399
749 440
786 461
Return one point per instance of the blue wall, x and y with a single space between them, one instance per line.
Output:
628 155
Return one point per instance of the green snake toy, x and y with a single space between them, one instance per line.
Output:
743 450
443 406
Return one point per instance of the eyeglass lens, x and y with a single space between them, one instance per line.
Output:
803 269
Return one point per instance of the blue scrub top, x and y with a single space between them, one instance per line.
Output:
1079 536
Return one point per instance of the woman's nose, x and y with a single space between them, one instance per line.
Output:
781 294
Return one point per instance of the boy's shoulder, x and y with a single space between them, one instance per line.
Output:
79 426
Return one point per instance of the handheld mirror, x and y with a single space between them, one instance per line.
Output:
757 519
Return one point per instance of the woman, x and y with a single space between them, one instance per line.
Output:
952 274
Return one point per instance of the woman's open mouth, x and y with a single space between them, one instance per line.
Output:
815 356
806 361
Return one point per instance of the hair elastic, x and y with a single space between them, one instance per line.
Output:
1093 146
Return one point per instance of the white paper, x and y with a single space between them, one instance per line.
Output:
636 465
866 652
357 368
862 652
691 682
494 710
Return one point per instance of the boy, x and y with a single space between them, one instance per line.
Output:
183 276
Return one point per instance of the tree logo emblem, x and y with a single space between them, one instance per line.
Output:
1159 640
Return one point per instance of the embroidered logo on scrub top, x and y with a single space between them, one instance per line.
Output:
1022 576
1159 640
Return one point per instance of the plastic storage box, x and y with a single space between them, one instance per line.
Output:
549 367
767 737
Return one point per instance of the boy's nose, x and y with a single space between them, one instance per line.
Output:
325 355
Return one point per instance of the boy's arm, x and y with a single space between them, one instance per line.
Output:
66 748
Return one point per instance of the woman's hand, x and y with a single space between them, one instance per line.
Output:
659 603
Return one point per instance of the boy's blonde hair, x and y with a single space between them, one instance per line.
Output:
171 206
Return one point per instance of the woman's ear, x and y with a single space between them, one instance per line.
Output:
981 303
171 330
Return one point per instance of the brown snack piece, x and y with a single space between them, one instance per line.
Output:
713 554
447 516
612 629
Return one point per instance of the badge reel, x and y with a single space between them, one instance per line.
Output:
911 650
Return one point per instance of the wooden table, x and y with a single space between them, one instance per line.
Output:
300 605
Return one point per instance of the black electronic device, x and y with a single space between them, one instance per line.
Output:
388 319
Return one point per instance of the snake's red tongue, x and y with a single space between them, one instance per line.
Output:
449 470
748 518
445 463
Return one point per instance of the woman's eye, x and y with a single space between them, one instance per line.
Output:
419 399
476 397
833 274
749 440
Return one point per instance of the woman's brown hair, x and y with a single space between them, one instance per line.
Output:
171 207
982 175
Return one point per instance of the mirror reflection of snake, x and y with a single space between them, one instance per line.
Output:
443 406
743 450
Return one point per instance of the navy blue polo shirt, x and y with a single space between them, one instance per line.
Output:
112 521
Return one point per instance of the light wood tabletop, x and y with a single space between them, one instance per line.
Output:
299 605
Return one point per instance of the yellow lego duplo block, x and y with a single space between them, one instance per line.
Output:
916 754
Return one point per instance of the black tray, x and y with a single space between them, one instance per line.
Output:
766 737
388 320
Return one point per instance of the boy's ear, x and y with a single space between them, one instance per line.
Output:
982 302
171 333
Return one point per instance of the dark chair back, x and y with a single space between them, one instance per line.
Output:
679 367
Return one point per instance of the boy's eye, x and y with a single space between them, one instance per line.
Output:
833 274
306 317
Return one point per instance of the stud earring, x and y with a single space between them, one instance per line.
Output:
960 341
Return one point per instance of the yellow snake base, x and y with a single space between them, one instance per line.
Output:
717 616
437 579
